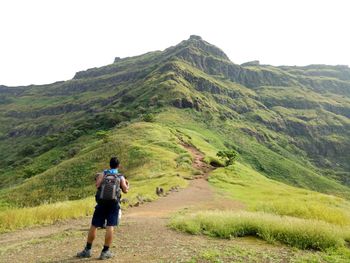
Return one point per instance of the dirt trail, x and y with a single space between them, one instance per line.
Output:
142 236
196 196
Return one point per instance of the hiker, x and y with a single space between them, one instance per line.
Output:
109 185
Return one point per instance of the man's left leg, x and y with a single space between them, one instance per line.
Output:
98 219
92 234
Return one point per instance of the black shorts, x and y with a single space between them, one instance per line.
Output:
106 212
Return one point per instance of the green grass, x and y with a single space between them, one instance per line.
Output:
252 187
150 155
17 218
283 127
262 194
275 157
146 151
300 233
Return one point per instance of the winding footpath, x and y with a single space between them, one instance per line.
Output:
142 236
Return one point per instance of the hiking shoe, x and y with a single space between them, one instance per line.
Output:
86 253
106 254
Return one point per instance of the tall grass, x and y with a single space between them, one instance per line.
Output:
304 209
262 194
300 233
16 218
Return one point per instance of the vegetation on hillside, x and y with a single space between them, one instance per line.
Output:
286 129
297 113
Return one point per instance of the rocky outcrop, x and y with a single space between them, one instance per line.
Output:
184 103
260 137
251 63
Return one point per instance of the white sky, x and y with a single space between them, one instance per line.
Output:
43 41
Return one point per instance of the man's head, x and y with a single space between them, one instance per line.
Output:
114 163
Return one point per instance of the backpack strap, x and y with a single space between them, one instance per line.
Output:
120 175
109 174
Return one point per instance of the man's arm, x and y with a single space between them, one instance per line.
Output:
124 185
98 179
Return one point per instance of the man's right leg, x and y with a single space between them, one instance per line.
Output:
86 253
92 234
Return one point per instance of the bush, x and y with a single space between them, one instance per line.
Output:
29 172
77 133
27 160
228 156
126 99
28 150
73 151
184 160
149 117
102 135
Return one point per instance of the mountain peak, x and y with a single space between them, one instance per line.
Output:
195 37
197 45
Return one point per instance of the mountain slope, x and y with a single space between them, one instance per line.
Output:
289 123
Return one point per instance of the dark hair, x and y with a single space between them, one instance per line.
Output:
114 163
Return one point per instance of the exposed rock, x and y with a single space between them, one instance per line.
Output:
195 37
140 199
251 63
124 201
184 103
116 59
258 136
159 191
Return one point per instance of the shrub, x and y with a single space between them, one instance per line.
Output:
28 150
126 99
102 135
149 117
29 172
73 151
184 160
142 110
27 160
77 133
228 156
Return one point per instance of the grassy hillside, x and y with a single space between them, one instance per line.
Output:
148 152
289 125
153 155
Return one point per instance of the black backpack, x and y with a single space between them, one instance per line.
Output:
109 190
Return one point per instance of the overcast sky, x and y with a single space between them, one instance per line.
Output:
44 41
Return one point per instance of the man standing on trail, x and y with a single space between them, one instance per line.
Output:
109 185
